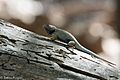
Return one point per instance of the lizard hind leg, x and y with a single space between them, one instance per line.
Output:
71 44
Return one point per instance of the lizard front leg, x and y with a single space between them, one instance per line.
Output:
53 37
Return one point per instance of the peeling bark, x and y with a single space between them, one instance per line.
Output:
25 55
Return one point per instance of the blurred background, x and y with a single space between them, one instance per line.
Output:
95 23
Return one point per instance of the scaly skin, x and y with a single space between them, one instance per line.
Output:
66 37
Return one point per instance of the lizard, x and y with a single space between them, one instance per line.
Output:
66 37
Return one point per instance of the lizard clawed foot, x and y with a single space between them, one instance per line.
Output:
93 56
52 38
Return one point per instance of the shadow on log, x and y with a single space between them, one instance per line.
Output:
25 55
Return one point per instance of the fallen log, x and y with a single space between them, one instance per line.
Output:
25 55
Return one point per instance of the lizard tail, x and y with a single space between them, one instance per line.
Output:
83 49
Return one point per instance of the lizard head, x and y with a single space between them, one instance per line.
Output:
50 29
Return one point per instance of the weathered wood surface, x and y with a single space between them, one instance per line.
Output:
25 55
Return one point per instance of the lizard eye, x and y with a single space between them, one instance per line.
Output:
49 28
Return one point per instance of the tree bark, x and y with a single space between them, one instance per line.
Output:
25 55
